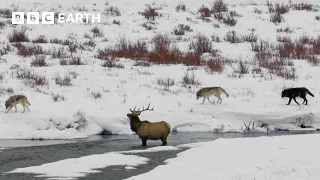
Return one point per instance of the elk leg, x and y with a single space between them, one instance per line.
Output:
164 141
144 142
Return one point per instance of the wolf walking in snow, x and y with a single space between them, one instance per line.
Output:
292 93
206 92
17 99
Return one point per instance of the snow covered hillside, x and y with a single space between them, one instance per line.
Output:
81 79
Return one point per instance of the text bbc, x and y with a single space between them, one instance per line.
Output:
49 18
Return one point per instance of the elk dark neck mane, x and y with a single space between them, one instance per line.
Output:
135 123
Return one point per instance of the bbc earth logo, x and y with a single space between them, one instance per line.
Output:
51 18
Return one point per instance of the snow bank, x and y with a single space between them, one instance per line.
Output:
284 157
81 166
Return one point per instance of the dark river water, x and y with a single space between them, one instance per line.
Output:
24 153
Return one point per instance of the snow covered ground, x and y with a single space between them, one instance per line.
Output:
82 112
235 159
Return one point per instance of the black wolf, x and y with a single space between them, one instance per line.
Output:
292 93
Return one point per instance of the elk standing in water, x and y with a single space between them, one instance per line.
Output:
148 130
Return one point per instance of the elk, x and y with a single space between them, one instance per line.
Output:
148 130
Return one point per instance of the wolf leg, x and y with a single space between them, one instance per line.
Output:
27 107
289 101
209 100
9 109
306 101
204 98
219 99
15 107
24 108
295 100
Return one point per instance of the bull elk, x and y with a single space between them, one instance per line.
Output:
148 130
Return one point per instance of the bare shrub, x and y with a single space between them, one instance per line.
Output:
62 81
315 46
229 20
148 25
215 38
96 95
278 8
125 49
215 65
150 13
39 61
287 73
190 79
116 22
58 97
260 46
80 8
2 24
5 49
28 50
5 13
286 30
257 11
313 60
58 53
233 37
204 12
181 29
1 77
59 41
30 78
90 43
4 90
63 62
276 18
40 39
112 11
219 6
166 82
96 32
303 6
163 51
72 43
250 37
76 60
242 68
234 14
112 62
181 7
18 36
80 121
202 44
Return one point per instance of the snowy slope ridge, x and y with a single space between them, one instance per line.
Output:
78 92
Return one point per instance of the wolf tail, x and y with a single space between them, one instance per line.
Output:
309 92
225 92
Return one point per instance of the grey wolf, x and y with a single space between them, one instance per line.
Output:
12 101
148 130
292 93
206 92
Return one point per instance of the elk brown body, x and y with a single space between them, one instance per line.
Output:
148 130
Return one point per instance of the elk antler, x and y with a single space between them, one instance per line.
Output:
143 109
134 111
